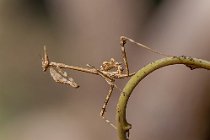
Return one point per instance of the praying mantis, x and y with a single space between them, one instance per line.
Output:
109 70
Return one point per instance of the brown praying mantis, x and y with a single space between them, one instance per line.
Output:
109 70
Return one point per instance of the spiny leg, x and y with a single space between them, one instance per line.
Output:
112 85
125 60
103 110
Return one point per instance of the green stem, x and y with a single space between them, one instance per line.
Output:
122 125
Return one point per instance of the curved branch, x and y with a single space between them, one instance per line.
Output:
122 125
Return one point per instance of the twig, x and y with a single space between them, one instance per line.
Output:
123 126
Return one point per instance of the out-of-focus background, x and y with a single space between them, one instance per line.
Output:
172 103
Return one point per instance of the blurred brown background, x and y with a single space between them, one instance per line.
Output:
170 104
